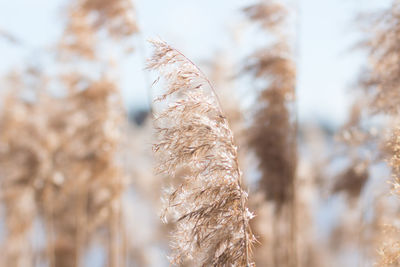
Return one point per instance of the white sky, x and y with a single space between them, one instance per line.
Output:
327 31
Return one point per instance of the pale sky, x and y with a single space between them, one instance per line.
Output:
327 31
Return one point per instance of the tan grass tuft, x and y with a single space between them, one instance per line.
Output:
210 205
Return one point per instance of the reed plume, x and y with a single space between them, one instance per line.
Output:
88 128
272 134
117 17
20 166
68 147
87 18
380 81
210 205
389 249
57 161
90 182
380 85
352 179
23 165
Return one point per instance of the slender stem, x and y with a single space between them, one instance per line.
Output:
243 207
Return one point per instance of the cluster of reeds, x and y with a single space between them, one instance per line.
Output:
210 204
371 133
273 131
76 174
59 154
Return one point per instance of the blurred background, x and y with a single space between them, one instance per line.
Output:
78 186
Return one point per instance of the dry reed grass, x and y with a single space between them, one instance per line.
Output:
210 205
64 161
272 134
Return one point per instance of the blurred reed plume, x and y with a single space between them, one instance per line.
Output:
89 126
379 84
354 177
23 164
87 18
210 205
117 17
273 131
273 134
377 100
381 78
352 180
65 152
71 181
93 180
